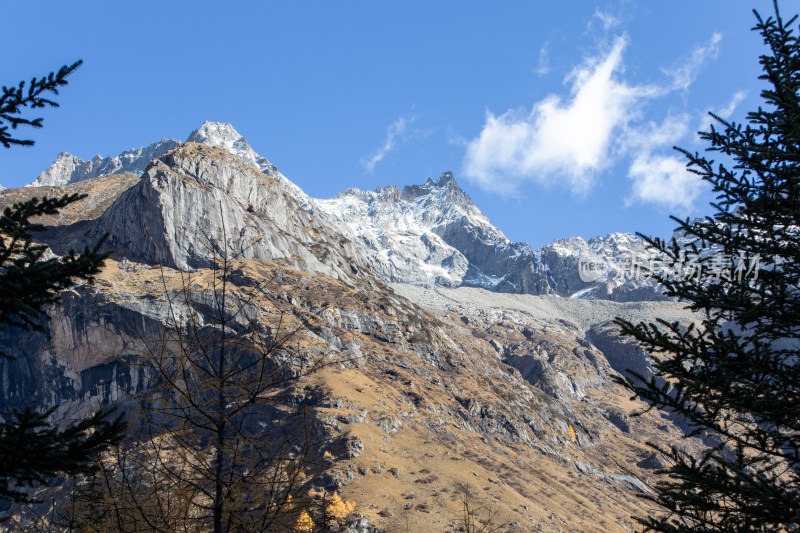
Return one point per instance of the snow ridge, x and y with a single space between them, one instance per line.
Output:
433 234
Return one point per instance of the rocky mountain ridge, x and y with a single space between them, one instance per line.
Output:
68 168
428 235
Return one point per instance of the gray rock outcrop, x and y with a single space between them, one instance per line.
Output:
609 268
197 199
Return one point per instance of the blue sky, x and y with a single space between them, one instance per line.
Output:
557 117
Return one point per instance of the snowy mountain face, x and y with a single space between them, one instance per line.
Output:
610 267
427 235
432 234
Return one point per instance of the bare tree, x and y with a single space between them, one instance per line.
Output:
222 438
475 518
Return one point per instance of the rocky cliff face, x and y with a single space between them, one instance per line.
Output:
432 387
196 198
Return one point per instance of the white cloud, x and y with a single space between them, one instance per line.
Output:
651 136
659 179
664 180
565 141
568 141
685 71
396 131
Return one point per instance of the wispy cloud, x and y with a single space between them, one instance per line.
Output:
685 70
725 112
728 110
395 132
560 140
543 67
608 20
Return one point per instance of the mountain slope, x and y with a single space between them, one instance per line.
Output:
430 390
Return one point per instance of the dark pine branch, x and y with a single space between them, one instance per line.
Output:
15 98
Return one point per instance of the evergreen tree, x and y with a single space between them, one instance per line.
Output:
32 451
734 376
14 99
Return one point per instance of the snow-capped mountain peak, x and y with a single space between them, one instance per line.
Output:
432 234
224 135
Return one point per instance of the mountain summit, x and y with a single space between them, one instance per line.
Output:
224 135
68 168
